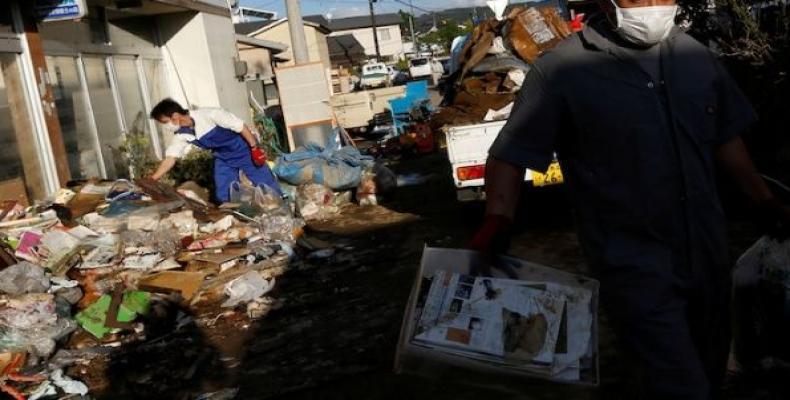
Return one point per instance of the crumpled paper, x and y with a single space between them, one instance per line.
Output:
57 379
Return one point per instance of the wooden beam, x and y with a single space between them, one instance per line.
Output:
47 97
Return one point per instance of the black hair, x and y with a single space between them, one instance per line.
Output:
166 108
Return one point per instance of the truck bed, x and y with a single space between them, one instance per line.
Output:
467 146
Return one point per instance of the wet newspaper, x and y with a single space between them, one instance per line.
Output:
542 327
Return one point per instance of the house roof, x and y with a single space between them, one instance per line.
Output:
364 21
253 28
275 47
345 49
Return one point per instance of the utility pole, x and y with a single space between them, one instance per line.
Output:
375 31
411 28
296 27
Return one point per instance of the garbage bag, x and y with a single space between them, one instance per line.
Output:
23 278
761 302
29 323
768 259
339 169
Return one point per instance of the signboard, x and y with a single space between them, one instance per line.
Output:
304 98
59 10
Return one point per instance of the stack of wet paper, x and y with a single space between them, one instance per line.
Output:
542 327
542 324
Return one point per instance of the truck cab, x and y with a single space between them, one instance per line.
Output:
374 74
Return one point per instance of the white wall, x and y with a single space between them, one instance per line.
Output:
199 50
388 48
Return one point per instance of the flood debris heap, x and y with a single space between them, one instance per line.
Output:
81 270
490 64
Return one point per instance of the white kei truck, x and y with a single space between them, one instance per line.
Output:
467 149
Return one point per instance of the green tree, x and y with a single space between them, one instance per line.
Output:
404 23
445 32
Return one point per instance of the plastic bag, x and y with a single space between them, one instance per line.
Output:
23 278
277 228
315 201
768 259
29 323
257 200
246 288
761 302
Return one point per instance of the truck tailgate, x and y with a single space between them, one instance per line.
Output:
467 146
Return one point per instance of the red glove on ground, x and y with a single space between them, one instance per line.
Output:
258 156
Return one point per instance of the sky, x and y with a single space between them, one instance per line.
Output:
347 8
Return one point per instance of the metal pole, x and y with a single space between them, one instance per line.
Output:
296 27
375 33
411 28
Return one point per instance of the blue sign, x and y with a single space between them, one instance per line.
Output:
58 10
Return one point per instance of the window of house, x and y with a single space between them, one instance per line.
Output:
384 34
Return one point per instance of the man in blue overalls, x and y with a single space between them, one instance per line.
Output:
232 143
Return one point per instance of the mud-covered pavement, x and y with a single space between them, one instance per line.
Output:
336 333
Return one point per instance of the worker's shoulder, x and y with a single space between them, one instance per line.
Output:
570 48
206 110
684 40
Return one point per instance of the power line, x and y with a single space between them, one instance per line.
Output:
415 7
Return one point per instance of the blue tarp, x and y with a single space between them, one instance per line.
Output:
339 169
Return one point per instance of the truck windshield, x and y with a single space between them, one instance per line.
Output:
418 62
374 69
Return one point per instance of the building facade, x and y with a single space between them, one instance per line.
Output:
71 90
387 29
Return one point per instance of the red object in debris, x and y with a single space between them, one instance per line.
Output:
425 140
258 156
11 374
576 23
471 172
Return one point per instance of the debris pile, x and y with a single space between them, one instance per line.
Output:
494 61
323 179
81 271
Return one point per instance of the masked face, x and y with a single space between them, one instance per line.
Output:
171 127
645 26
173 123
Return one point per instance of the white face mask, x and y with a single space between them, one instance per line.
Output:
171 127
645 26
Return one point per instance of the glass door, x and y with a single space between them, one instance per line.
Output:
154 76
129 87
82 146
105 114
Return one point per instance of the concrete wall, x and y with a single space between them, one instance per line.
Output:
317 48
388 48
199 50
258 60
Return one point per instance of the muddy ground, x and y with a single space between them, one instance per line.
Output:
335 335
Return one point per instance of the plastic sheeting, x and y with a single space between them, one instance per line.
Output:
337 169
